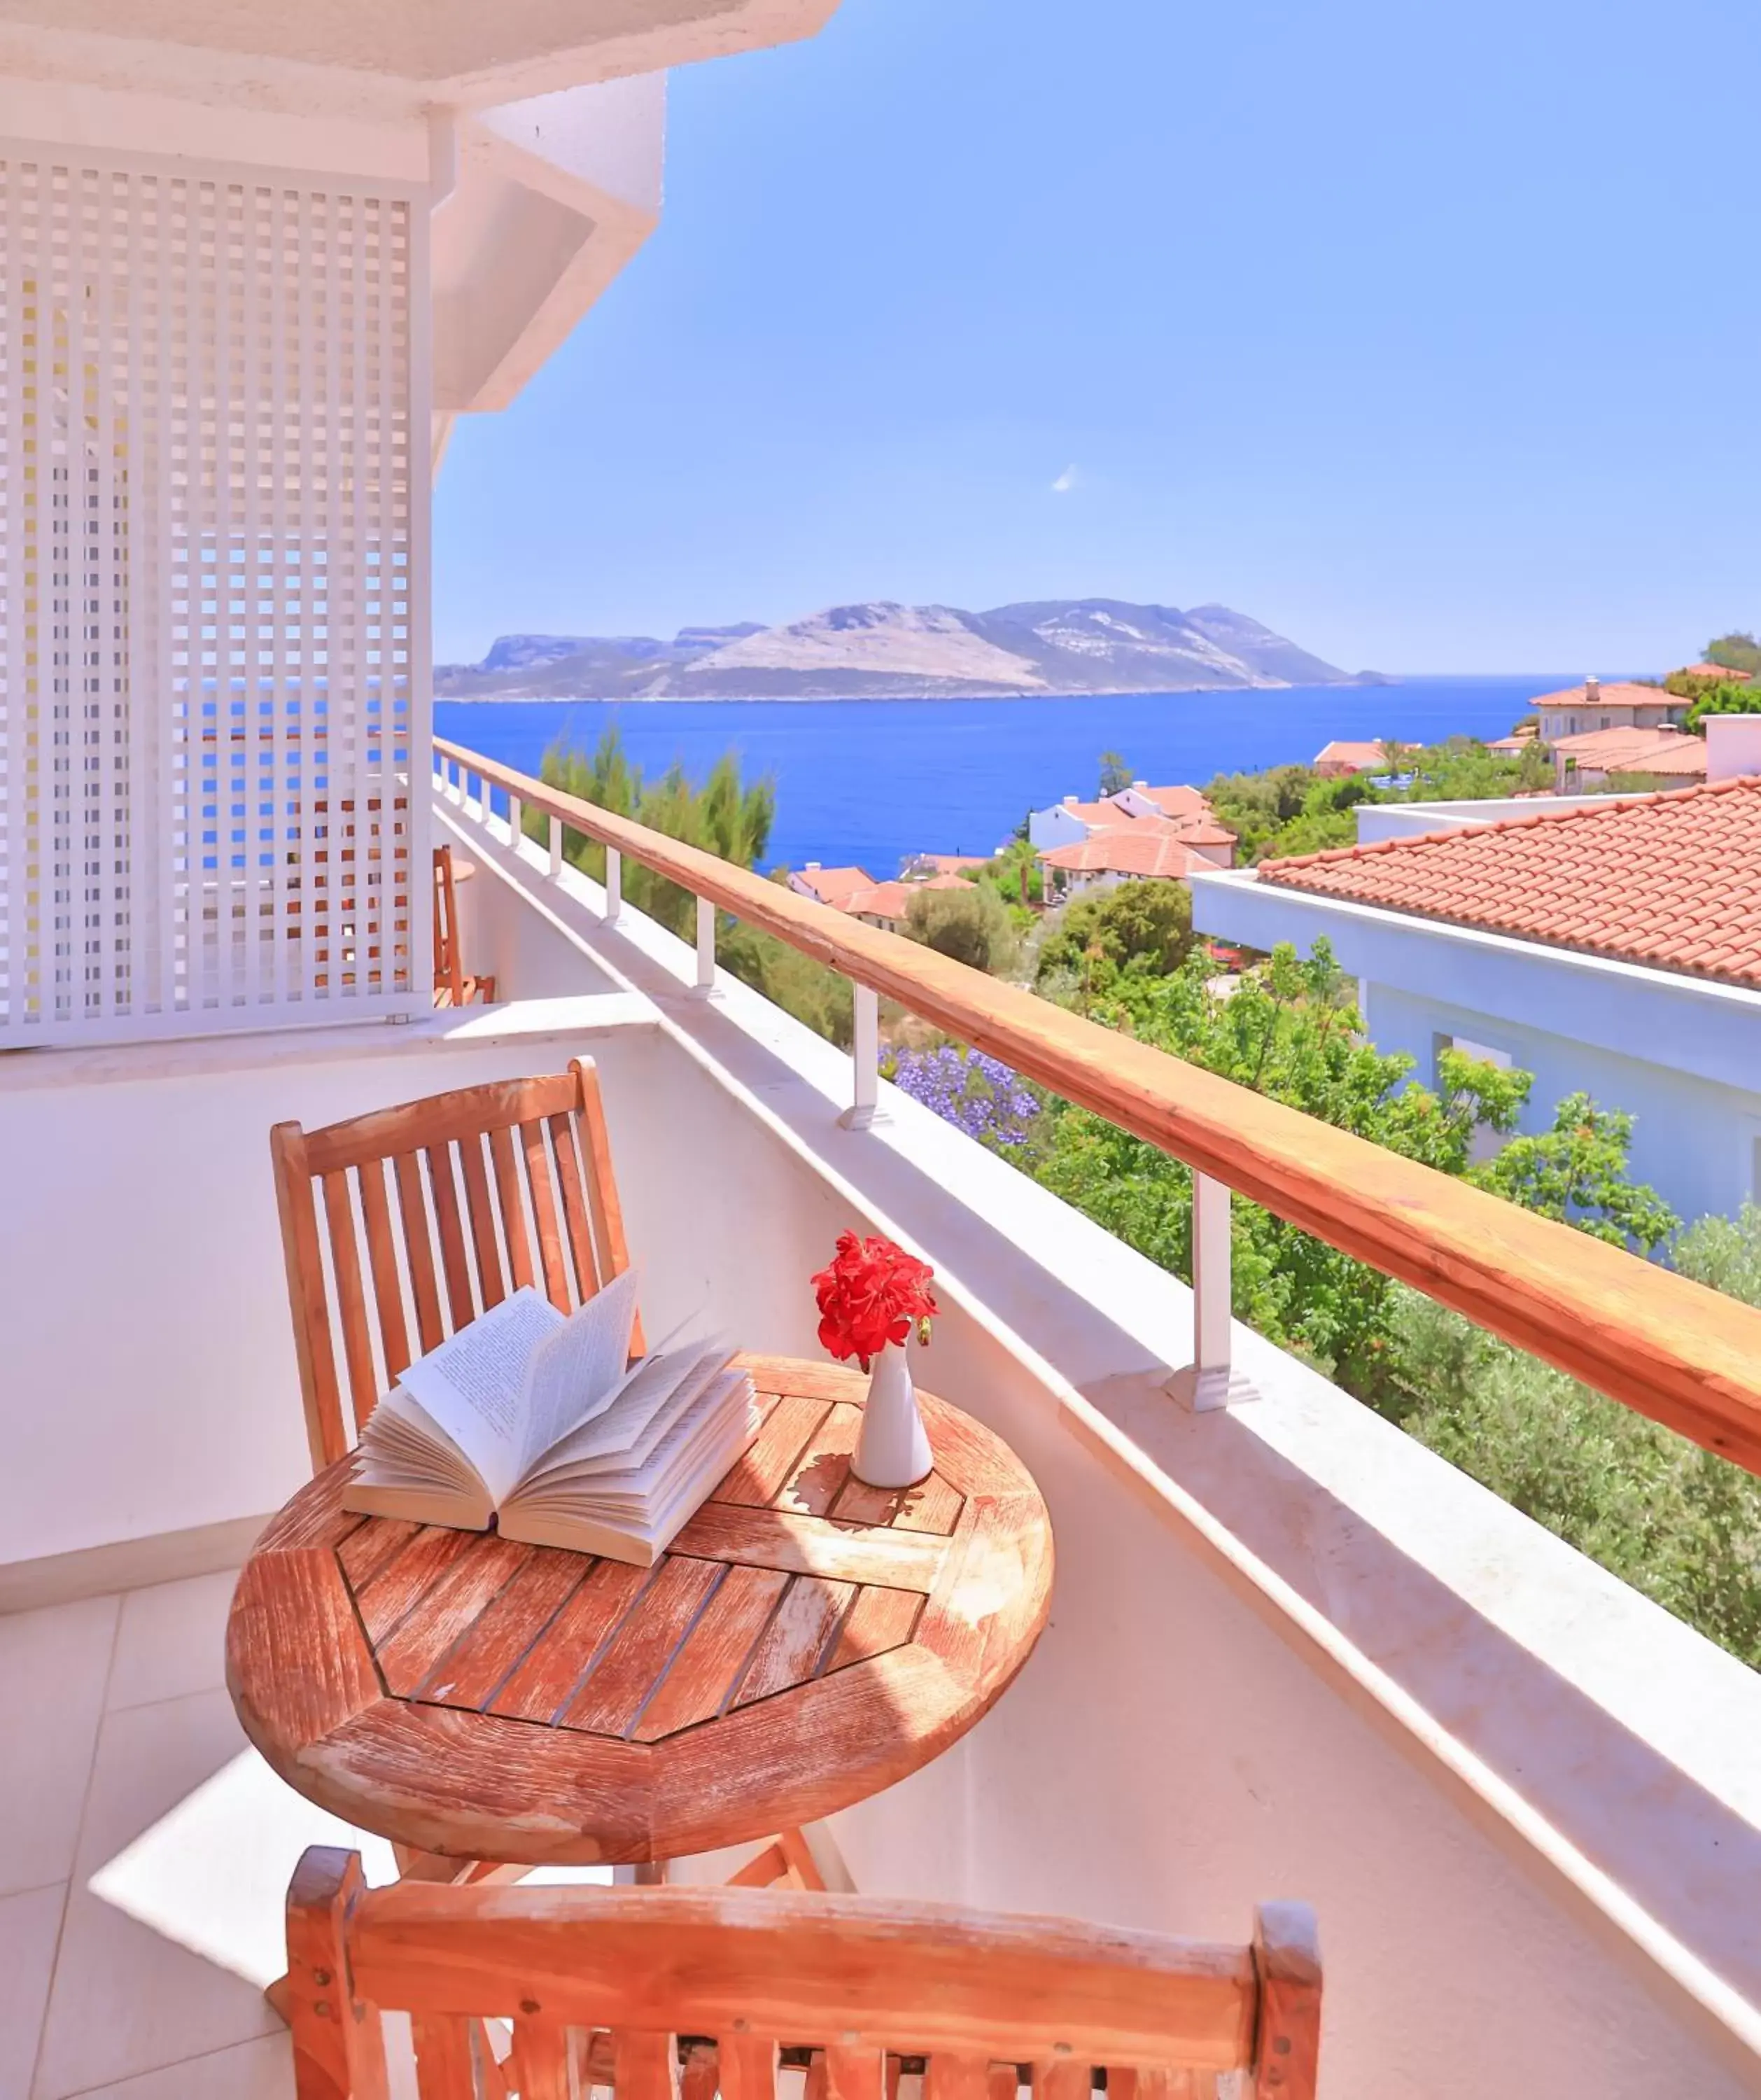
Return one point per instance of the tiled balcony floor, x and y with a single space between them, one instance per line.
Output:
145 1855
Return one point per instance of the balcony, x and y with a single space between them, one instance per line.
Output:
1291 1652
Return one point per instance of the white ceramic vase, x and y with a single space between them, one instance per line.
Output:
892 1450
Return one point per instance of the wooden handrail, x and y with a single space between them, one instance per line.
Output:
1685 1355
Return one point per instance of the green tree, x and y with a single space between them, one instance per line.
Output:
1115 775
1290 809
1737 651
1724 1253
1577 1172
1720 697
1149 922
1680 1525
724 815
1291 1031
972 925
1015 873
822 998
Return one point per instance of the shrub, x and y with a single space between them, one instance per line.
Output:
972 925
1149 922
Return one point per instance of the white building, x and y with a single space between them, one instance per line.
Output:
1607 945
1181 811
1578 709
252 254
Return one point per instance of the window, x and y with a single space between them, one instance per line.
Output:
1485 1141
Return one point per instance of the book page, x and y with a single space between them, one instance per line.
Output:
577 1370
656 1388
472 1385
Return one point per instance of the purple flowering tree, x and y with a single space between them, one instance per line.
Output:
976 1094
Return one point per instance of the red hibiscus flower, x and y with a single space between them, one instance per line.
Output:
873 1293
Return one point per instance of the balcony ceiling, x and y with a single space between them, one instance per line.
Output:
392 58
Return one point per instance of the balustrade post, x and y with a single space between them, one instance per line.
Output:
614 885
556 847
1211 1380
516 819
865 1059
705 983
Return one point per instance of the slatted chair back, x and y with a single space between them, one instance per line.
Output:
458 1200
682 1994
449 971
452 986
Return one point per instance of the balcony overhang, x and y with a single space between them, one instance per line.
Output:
553 197
393 60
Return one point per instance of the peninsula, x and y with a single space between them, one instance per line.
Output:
881 649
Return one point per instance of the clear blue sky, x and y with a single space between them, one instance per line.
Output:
1430 336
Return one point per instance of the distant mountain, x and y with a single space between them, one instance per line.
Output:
1092 644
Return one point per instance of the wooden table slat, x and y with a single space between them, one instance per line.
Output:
934 1505
813 1545
372 1546
512 1625
797 1638
878 1620
448 1610
394 1589
768 1463
545 1681
710 1663
821 1470
639 1652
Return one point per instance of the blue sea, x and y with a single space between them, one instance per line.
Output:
870 782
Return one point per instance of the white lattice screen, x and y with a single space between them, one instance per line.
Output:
213 662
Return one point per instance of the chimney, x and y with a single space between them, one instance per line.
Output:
1733 745
812 867
1592 689
1140 783
1071 801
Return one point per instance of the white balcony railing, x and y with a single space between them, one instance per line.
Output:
1687 1357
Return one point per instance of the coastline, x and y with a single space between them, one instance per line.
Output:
853 699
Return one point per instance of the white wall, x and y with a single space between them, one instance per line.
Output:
1056 827
1694 1141
1398 820
1683 1053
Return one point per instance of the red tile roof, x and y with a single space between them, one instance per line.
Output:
1147 848
1683 758
1177 802
1361 756
1671 881
1203 833
950 864
1619 696
1712 671
831 885
1635 751
879 900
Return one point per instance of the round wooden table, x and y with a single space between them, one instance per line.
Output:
806 1641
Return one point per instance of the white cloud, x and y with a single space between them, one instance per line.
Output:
1066 482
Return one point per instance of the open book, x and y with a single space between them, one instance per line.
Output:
531 1419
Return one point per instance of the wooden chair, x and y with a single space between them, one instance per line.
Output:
460 1199
452 987
678 1994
